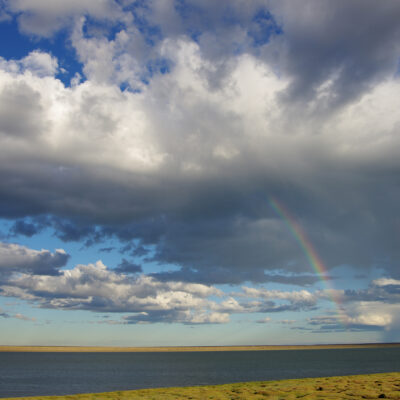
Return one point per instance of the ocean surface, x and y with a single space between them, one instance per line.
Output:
32 374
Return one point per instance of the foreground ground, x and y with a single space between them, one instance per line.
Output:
354 387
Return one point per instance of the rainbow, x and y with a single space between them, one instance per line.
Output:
312 256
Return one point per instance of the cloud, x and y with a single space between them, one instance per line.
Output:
106 249
28 228
24 317
287 321
177 316
4 16
264 320
38 63
182 213
183 120
374 308
386 282
221 276
302 298
16 258
13 100
182 158
372 314
94 287
41 18
3 314
273 301
361 316
126 267
383 289
330 59
35 276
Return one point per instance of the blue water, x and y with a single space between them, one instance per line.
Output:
33 374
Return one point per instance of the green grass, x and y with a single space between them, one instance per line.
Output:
341 387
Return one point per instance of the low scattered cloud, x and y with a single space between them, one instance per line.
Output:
375 308
384 289
3 314
94 287
292 300
35 276
287 321
24 317
19 316
16 258
264 320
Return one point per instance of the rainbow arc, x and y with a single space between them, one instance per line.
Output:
309 251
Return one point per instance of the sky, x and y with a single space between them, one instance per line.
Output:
199 172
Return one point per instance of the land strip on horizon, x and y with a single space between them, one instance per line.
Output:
111 349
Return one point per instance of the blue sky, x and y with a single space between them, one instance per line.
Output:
141 143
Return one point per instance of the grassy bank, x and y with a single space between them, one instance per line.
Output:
186 348
342 387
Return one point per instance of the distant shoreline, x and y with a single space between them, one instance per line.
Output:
119 349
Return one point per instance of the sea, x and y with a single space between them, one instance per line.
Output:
39 374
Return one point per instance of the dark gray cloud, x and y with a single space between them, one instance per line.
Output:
221 227
29 227
185 167
174 316
154 317
271 307
383 290
107 249
73 231
24 228
126 267
350 45
222 275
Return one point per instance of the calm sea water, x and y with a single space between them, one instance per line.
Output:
30 374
